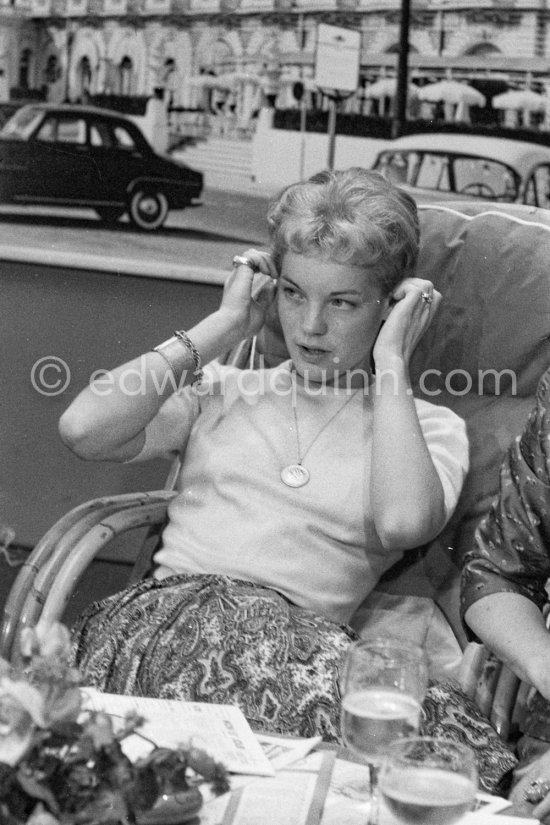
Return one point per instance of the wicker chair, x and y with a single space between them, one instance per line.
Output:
491 266
500 695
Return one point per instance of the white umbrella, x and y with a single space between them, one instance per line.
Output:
451 91
523 99
387 87
234 78
210 81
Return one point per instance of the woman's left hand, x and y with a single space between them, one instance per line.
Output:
415 302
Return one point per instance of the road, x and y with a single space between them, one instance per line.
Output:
208 235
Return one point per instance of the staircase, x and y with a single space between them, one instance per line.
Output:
225 163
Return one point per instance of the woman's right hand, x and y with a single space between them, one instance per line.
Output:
247 294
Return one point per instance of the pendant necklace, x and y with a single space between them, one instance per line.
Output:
296 475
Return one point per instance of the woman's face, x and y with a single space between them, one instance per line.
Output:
330 314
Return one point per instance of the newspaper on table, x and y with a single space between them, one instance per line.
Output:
283 751
294 796
221 730
491 810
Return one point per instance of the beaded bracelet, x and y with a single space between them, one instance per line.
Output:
176 356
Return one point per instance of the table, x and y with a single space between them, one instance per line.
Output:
346 803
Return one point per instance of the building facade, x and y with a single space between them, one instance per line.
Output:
235 54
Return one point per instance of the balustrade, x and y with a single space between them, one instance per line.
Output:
81 8
41 8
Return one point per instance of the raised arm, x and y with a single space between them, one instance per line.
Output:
406 492
107 420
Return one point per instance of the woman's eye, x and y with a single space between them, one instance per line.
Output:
290 292
341 303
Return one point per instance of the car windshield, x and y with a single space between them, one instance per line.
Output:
22 123
446 172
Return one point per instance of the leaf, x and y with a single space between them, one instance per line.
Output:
33 787
144 789
40 816
65 707
172 810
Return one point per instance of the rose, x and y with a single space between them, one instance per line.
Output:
47 649
21 711
50 640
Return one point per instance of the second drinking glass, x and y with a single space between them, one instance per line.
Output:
383 685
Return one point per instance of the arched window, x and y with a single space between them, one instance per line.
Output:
169 79
168 70
84 76
222 57
126 76
24 68
52 70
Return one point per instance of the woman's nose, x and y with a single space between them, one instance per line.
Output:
313 320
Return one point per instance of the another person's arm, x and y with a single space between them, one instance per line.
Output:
406 491
504 576
107 420
513 627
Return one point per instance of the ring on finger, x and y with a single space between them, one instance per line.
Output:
427 297
242 260
537 790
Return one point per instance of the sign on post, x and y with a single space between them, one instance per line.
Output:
337 60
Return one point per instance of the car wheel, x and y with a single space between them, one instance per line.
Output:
110 214
148 208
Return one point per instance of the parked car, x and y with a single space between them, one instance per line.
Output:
69 155
454 167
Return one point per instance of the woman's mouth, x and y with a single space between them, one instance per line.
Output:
312 353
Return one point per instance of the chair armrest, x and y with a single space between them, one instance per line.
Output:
48 578
494 688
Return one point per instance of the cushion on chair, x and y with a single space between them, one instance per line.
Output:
491 265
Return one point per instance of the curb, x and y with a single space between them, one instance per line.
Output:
117 266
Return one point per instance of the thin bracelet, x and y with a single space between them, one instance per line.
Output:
197 361
175 352
175 356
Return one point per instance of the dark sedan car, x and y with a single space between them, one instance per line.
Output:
85 156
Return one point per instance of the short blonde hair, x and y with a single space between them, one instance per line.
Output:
354 216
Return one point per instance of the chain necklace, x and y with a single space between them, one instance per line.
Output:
296 475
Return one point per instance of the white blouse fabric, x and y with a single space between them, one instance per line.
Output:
234 516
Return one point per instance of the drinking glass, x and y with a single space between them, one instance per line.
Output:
428 781
383 685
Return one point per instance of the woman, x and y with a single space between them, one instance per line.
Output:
300 484
504 592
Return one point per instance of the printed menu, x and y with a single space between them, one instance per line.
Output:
222 730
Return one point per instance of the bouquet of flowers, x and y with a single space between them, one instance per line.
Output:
62 765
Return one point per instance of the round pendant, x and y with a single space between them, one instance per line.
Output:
294 475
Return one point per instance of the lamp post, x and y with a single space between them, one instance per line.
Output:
400 116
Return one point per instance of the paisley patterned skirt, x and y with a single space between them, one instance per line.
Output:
209 638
